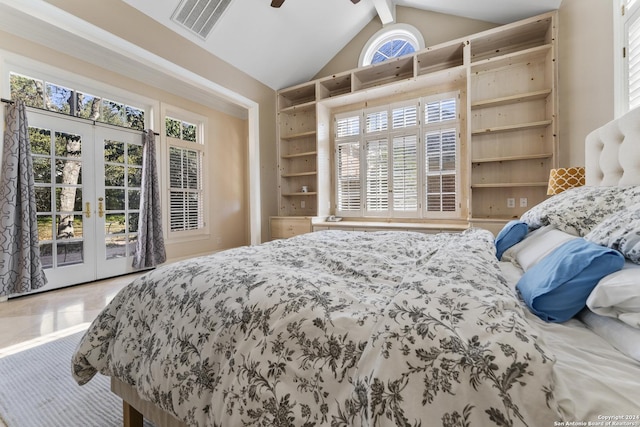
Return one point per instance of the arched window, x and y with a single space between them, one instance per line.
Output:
390 42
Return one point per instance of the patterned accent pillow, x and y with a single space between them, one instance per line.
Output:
512 233
579 210
620 231
557 288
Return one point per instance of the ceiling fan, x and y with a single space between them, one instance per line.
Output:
278 3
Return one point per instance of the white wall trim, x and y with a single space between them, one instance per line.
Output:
620 98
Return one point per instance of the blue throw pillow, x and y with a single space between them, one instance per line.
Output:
557 288
510 234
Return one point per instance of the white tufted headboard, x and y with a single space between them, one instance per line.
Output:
612 152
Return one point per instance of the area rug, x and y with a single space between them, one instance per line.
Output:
37 390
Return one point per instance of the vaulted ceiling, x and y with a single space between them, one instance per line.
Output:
290 44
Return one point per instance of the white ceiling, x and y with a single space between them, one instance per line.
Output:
289 45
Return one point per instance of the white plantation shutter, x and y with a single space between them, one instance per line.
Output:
404 116
348 169
405 160
377 188
399 160
405 173
441 142
440 153
348 126
440 111
185 192
347 164
376 121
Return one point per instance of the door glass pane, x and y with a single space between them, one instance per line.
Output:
45 255
113 176
45 228
69 253
135 177
123 178
42 169
116 246
68 226
68 145
40 140
114 152
45 237
134 154
133 223
134 199
58 195
68 172
114 223
68 199
43 199
114 199
131 247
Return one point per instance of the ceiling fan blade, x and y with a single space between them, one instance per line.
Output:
278 3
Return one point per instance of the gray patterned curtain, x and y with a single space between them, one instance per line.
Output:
20 266
150 246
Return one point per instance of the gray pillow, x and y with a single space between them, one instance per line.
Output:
579 210
620 231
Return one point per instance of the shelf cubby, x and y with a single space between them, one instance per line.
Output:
439 58
337 84
297 96
383 73
296 155
511 99
511 38
513 127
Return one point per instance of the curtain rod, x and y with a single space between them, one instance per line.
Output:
8 101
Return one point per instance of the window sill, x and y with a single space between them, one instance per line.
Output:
425 227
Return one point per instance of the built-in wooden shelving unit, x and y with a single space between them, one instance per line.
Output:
509 80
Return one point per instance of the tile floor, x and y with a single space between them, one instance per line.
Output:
31 317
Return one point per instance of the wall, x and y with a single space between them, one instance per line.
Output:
586 73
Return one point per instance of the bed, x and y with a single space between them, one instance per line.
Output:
398 328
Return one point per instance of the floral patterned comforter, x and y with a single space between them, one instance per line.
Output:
329 328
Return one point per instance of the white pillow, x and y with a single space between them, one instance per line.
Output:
618 295
616 333
536 245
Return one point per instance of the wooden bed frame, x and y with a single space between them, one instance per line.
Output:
135 409
612 158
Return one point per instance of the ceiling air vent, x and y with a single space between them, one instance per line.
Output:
199 16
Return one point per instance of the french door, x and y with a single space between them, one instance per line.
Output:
87 180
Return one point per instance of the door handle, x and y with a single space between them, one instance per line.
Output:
87 210
100 207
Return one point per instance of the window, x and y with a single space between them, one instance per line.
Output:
186 181
390 42
39 93
399 160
